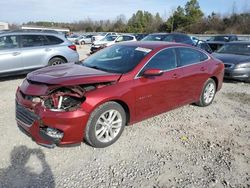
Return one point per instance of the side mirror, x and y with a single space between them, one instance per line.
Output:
152 72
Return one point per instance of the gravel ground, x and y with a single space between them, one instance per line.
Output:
187 147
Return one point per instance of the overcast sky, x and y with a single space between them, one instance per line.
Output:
20 11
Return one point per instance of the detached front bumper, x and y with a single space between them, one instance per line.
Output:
49 128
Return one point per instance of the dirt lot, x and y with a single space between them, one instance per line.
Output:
187 147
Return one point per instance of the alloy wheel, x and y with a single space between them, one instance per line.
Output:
108 126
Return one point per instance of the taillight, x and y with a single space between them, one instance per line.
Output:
72 47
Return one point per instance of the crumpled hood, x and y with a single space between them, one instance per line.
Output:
71 74
231 58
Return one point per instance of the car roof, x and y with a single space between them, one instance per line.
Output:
127 35
28 33
239 42
174 33
226 35
153 44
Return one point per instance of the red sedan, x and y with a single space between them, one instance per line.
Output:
119 85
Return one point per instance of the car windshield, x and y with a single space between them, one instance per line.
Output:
109 38
154 38
241 49
103 34
219 38
117 58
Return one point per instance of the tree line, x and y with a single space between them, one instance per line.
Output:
187 19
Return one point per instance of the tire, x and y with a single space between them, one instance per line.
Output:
208 93
82 43
100 132
56 61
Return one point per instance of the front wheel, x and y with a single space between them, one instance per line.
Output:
105 125
208 93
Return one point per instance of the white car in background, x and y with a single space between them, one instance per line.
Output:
110 40
72 38
100 36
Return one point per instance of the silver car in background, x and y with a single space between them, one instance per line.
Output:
22 52
84 39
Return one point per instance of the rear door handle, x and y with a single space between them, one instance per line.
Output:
175 76
16 53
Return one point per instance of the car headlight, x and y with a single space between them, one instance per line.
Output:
243 65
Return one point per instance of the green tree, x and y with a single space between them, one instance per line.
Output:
193 11
184 18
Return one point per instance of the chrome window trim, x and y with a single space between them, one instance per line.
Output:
208 58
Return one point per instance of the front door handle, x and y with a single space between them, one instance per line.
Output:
16 53
48 49
203 69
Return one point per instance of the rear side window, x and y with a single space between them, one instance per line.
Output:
127 38
52 40
164 60
8 42
33 40
183 39
189 56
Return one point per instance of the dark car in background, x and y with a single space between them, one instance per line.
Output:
179 38
140 36
169 37
122 84
215 42
236 58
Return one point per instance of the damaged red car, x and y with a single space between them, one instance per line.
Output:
126 83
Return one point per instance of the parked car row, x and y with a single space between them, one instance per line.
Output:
216 43
24 51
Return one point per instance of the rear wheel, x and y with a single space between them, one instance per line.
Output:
105 125
56 61
208 93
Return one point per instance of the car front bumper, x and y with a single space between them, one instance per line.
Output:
242 74
34 120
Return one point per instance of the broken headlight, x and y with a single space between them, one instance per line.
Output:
63 103
64 99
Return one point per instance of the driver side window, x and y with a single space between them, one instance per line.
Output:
164 60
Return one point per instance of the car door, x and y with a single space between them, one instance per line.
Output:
194 66
34 51
10 54
157 94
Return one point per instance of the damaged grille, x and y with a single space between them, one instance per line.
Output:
25 116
